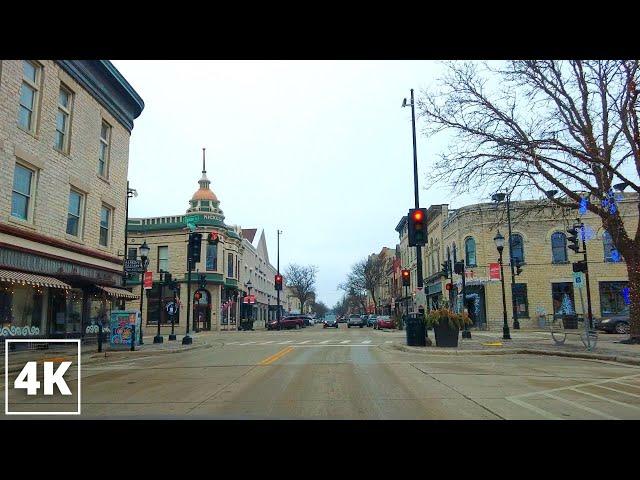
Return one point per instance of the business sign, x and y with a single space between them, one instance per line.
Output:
494 271
171 308
249 299
421 297
131 265
578 279
121 324
148 280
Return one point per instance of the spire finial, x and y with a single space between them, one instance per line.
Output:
204 168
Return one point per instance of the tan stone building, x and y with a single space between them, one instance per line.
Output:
214 306
407 261
292 303
545 286
64 155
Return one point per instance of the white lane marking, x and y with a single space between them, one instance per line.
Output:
389 341
247 343
282 343
231 343
619 391
533 408
267 343
345 341
634 385
350 346
367 341
608 380
622 404
306 341
582 407
326 341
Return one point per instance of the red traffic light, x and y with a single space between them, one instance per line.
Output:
417 215
405 273
448 286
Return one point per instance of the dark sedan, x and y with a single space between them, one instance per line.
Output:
614 324
330 321
371 320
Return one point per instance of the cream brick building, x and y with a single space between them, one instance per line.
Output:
545 286
64 153
218 305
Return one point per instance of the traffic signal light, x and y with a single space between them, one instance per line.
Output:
518 268
406 278
212 238
446 268
417 220
203 280
580 266
278 282
458 267
572 239
195 243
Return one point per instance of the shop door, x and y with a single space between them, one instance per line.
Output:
202 310
475 305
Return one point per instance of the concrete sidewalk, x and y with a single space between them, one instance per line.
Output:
532 342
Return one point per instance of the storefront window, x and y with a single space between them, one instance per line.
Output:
521 300
74 310
21 306
562 294
611 298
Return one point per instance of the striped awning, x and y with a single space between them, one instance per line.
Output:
118 293
22 278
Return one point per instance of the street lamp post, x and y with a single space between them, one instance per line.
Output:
249 286
144 258
500 196
131 192
499 240
278 267
158 338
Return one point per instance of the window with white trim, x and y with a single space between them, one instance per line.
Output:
105 148
29 96
105 225
74 213
63 119
22 194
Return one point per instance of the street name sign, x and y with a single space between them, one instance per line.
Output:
131 265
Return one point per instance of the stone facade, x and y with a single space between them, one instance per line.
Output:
39 242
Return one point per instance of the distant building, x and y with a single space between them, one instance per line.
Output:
64 155
255 266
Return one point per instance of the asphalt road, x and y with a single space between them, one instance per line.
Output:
354 373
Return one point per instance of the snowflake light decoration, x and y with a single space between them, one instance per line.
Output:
615 255
625 295
610 202
584 202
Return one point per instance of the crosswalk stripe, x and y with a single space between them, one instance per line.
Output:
232 343
247 343
346 341
366 341
326 341
389 341
302 343
582 407
282 343
266 343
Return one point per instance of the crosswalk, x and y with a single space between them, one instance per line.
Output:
311 343
609 399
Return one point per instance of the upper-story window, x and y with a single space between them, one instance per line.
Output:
22 195
105 148
29 95
517 245
559 247
74 214
132 253
63 119
470 252
105 225
230 265
163 259
212 257
607 245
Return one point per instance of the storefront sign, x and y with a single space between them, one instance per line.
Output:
249 299
122 322
494 271
148 280
131 265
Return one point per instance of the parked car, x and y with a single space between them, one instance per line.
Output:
307 320
356 321
371 320
614 324
384 321
342 319
293 321
330 321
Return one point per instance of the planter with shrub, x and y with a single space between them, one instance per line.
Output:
446 326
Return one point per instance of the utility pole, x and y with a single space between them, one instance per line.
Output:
278 267
415 186
514 305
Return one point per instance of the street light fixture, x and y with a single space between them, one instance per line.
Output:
499 241
144 258
499 197
621 186
249 286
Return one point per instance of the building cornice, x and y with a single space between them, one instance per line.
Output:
107 85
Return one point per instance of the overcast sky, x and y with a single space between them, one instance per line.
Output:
319 149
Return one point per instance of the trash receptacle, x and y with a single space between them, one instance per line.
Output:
416 332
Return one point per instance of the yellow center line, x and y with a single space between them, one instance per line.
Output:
276 356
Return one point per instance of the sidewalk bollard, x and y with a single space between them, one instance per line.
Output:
133 338
99 337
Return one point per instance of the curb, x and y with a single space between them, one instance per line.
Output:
524 351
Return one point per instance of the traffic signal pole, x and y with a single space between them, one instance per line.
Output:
516 323
278 267
187 340
586 275
415 188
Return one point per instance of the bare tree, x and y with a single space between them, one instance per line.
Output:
320 308
301 280
366 276
569 126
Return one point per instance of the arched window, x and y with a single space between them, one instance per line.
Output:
607 245
470 252
559 247
517 246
